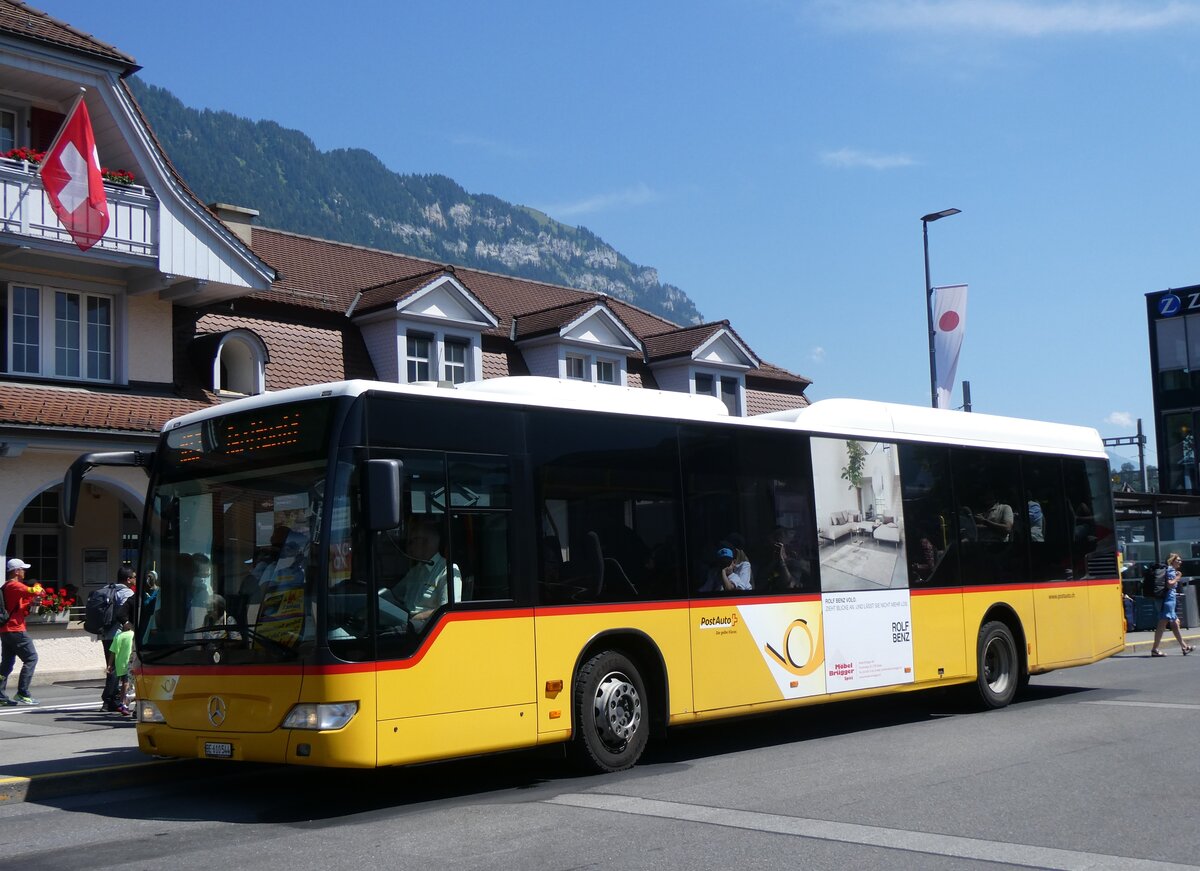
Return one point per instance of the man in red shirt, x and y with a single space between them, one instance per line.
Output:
15 642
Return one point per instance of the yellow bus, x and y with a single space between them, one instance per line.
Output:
362 574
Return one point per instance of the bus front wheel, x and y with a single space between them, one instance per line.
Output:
611 719
999 667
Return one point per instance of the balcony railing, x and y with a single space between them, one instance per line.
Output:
25 210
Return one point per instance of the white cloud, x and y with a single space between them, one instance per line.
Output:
1120 418
638 195
1019 18
817 354
850 158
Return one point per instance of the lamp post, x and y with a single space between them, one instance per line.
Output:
926 220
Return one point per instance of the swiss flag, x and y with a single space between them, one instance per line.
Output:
949 325
71 175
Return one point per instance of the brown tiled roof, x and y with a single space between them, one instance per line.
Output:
763 401
324 275
25 22
770 370
299 354
390 292
318 273
553 319
91 410
680 341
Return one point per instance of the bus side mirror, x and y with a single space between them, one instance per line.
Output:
73 480
384 494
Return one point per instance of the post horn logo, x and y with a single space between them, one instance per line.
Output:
794 661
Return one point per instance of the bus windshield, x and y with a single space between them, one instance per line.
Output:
235 556
233 534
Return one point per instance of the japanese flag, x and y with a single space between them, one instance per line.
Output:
949 324
71 175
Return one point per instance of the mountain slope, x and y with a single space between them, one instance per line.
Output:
348 195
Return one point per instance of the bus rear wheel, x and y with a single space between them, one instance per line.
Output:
611 719
999 667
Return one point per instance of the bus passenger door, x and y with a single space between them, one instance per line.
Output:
456 669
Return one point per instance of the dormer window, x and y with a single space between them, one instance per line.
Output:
59 333
239 364
425 328
582 341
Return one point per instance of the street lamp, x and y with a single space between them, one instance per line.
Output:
926 220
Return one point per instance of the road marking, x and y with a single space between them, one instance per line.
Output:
1126 704
872 836
16 709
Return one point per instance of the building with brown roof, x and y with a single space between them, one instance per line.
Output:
181 305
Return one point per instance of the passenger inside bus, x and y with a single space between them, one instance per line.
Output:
997 523
783 570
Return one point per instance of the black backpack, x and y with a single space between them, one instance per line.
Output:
98 612
3 606
1154 581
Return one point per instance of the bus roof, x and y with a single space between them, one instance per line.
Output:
854 418
884 421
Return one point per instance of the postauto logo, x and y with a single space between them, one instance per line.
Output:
720 622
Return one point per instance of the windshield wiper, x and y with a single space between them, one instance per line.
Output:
248 633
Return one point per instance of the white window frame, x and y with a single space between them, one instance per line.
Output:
588 367
717 381
48 347
16 128
613 368
413 362
437 363
575 367
451 368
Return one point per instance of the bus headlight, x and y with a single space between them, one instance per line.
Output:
320 717
148 712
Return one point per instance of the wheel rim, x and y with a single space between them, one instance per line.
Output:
998 666
618 709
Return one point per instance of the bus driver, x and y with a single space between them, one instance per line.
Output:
422 590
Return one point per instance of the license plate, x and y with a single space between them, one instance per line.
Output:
218 749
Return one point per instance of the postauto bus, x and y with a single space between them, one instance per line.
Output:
363 574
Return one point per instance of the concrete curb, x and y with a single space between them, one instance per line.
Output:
62 784
1168 641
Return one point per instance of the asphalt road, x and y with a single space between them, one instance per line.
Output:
1094 768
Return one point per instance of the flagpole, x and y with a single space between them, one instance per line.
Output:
62 128
926 220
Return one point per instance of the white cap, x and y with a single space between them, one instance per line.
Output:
14 564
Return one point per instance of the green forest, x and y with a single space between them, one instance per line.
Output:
348 195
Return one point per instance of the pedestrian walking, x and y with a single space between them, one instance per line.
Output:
121 649
121 613
1167 616
15 642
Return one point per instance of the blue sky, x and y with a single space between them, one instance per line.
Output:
773 158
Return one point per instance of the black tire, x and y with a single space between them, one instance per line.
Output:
612 721
999 666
